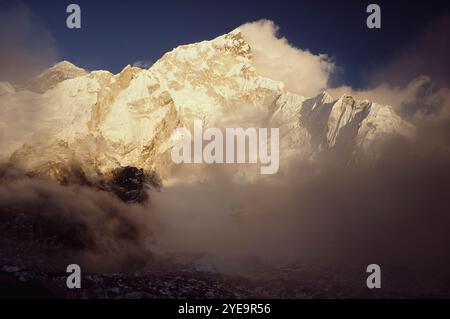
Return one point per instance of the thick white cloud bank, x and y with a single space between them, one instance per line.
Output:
301 71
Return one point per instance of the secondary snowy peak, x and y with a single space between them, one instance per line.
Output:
363 121
321 99
49 78
343 125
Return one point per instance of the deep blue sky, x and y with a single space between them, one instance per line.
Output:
115 33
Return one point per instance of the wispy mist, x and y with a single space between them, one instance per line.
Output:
26 45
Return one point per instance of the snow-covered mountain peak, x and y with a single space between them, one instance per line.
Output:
65 66
102 121
209 77
235 43
49 78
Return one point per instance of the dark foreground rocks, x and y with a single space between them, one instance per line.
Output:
174 281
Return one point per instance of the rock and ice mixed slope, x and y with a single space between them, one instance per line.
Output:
99 121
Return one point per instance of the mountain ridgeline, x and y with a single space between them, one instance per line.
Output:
97 122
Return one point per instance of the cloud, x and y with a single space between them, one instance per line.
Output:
416 81
26 45
427 55
318 213
91 225
274 57
321 213
385 93
420 99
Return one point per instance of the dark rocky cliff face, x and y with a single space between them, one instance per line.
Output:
129 184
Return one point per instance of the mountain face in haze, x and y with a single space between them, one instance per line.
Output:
98 121
49 78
